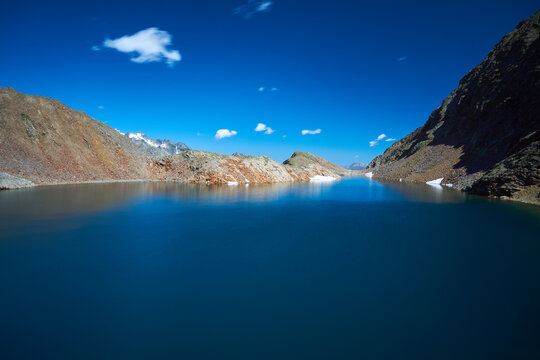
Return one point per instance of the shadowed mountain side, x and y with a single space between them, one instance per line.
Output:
484 138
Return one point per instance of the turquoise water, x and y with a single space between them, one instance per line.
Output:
351 270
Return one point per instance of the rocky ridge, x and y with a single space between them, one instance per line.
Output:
485 136
157 147
42 141
211 168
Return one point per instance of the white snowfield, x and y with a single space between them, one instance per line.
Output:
232 183
435 182
369 174
321 178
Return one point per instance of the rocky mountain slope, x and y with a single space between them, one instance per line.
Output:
210 168
42 141
485 136
157 147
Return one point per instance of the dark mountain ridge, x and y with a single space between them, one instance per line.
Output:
485 136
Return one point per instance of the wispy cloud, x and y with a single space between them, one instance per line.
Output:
262 127
100 107
148 45
311 132
224 133
95 48
376 141
262 88
403 58
252 7
390 139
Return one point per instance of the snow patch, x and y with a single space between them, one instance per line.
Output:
232 183
369 174
435 182
449 185
321 178
141 137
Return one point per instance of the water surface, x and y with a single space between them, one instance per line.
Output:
351 270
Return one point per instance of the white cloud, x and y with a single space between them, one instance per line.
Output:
261 88
262 127
95 48
284 136
274 89
149 45
311 132
224 133
252 7
100 107
403 58
379 138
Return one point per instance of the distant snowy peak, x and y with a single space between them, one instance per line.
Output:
156 146
356 166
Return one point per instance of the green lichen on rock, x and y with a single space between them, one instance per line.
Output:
30 127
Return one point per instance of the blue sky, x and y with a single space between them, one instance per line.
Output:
354 70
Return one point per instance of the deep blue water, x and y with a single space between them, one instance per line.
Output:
351 270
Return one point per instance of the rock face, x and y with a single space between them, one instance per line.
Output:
156 147
485 136
210 168
43 141
9 182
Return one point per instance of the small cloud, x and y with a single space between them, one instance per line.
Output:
311 132
261 88
148 45
252 7
403 58
95 48
224 133
266 129
284 136
274 89
100 107
379 138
